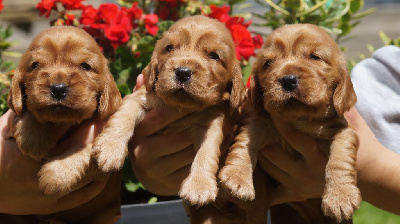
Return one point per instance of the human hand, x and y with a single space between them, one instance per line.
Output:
161 162
19 189
300 178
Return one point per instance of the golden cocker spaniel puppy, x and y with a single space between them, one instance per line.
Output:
300 75
62 80
193 67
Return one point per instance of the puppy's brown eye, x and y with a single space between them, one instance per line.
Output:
169 47
214 56
267 63
35 65
86 66
315 57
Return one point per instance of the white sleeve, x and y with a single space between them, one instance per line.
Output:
376 82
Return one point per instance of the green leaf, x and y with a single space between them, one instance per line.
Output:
164 26
152 200
364 13
146 44
386 40
371 48
356 5
7 66
328 4
246 71
124 89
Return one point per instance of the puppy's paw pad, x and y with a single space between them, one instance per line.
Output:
199 190
341 203
57 178
238 181
110 155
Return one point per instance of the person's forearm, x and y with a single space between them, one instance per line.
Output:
378 168
379 178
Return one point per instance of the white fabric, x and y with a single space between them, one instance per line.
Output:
376 82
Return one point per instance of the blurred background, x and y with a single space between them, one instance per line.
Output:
27 23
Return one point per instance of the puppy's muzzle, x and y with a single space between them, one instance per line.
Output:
58 91
183 74
289 82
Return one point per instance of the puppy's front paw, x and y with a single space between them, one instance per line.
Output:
34 149
238 181
199 190
110 154
58 177
340 202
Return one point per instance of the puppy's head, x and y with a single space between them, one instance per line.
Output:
63 77
194 65
301 73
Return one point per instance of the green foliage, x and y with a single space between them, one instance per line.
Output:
132 58
368 214
389 41
337 17
386 40
6 67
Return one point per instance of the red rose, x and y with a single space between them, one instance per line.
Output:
45 7
1 5
150 22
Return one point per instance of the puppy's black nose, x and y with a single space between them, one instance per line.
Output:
58 91
183 74
289 82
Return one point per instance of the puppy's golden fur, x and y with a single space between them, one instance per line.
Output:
300 75
62 80
193 67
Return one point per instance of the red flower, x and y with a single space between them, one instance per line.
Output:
107 12
135 12
243 40
45 7
150 22
73 4
258 41
1 5
89 16
69 19
245 44
220 13
116 23
248 83
172 3
118 31
169 9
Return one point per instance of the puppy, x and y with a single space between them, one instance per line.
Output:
62 80
300 75
194 68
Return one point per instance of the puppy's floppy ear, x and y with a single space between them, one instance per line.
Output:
344 96
15 98
110 98
150 72
256 94
238 91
